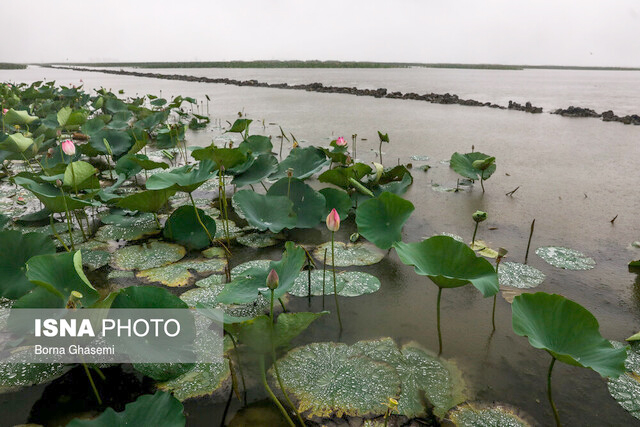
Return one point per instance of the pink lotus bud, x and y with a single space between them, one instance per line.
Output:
340 142
68 147
272 279
49 153
4 111
333 220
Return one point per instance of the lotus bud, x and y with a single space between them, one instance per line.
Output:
340 142
354 237
273 280
290 172
50 152
68 147
4 111
379 170
348 160
58 132
58 183
479 216
484 163
333 220
295 144
73 299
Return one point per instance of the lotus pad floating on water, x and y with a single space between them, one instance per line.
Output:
204 378
144 226
178 274
349 283
160 410
14 372
146 256
626 388
420 372
521 276
350 254
240 268
566 258
333 378
485 415
207 296
258 240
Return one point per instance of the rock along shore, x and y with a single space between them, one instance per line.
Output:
434 98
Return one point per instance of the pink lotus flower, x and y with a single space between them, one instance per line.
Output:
333 220
68 147
273 279
4 111
340 142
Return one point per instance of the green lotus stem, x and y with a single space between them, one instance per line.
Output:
109 166
324 275
84 235
380 150
438 322
55 233
553 405
93 385
473 239
282 305
99 372
493 313
244 386
288 186
155 217
73 177
335 285
67 215
482 180
271 395
28 163
223 205
275 365
526 256
200 220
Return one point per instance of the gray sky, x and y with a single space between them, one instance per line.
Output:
558 32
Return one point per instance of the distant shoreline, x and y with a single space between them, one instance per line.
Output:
333 64
433 98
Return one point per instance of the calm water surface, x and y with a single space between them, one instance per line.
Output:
574 176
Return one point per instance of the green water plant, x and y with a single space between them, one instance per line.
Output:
568 332
333 224
383 138
449 264
474 166
380 219
478 217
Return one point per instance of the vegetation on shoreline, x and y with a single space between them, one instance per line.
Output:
335 64
11 66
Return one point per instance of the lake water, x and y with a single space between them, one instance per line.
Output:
574 176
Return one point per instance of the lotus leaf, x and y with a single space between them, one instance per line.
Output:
51 197
568 331
18 117
184 227
626 388
349 283
16 143
119 142
177 275
308 204
256 145
463 164
240 125
304 162
265 212
146 201
338 200
246 286
341 176
185 178
348 254
263 166
479 414
449 264
146 256
519 275
380 220
17 249
159 410
258 240
15 372
565 258
80 175
325 379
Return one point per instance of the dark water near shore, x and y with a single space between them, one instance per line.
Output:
574 175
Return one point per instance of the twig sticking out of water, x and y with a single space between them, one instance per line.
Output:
533 224
510 193
614 219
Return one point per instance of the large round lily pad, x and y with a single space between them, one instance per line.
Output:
135 228
264 212
178 274
380 219
420 372
349 254
149 255
349 283
308 204
568 259
568 331
183 227
331 378
475 414
516 275
626 388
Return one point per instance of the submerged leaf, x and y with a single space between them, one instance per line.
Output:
626 388
349 254
518 275
479 414
146 256
568 259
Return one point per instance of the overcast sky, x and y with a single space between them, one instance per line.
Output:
537 32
